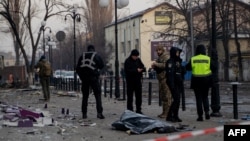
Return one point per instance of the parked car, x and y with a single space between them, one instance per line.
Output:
69 75
59 73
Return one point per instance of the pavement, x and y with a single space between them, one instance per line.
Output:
72 127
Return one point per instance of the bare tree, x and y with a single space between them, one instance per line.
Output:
224 12
96 19
23 14
238 47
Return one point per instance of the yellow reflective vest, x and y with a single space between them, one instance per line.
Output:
201 65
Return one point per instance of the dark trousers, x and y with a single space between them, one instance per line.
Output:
94 83
45 87
134 87
202 102
176 96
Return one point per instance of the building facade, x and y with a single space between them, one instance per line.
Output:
143 31
150 28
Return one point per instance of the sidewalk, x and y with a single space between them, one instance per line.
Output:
101 130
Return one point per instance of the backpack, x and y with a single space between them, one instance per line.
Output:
47 70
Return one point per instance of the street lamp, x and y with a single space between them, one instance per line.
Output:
75 16
215 96
52 45
118 4
191 27
43 23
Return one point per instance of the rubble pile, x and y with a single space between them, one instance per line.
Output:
15 116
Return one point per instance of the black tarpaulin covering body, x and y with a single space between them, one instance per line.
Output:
138 123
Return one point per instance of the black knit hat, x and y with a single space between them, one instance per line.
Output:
135 52
200 49
42 57
91 48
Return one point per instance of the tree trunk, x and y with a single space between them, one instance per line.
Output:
239 56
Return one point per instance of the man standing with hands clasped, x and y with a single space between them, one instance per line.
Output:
134 69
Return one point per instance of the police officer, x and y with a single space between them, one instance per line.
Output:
88 67
201 80
174 75
134 69
164 92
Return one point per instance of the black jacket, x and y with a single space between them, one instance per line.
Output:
131 66
84 71
200 82
174 70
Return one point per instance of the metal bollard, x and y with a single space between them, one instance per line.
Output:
183 99
124 89
105 87
111 86
235 99
149 93
160 102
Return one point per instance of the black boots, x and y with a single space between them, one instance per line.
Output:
216 114
200 118
100 116
84 116
173 119
176 119
207 116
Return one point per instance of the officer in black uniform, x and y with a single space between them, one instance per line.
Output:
174 75
88 68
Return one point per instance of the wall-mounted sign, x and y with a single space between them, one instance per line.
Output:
154 44
163 17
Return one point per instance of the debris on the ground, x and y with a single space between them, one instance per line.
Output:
16 116
68 93
88 124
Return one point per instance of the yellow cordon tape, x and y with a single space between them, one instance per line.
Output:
194 133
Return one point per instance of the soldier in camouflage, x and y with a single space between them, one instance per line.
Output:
164 92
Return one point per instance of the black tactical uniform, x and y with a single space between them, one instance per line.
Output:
174 75
88 67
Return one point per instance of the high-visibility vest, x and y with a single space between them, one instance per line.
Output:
201 65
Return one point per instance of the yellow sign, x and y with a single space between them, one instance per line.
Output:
163 17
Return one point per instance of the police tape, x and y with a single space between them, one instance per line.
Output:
194 133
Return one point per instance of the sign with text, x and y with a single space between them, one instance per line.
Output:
154 44
163 17
237 132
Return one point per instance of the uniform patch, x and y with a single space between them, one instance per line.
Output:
170 65
177 64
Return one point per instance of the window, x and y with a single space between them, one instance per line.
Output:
123 50
137 44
